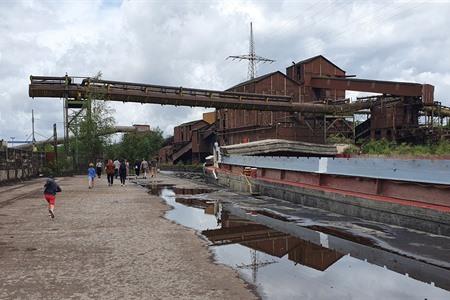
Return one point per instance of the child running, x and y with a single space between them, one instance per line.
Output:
50 190
91 175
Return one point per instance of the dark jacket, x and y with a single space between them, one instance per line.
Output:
51 187
123 169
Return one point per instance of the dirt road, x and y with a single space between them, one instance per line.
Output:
105 243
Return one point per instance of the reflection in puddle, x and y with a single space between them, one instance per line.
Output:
345 235
309 265
191 191
190 216
275 243
155 189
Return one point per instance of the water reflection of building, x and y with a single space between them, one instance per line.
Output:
209 207
272 242
262 239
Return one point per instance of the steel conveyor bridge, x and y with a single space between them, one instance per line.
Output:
65 87
116 129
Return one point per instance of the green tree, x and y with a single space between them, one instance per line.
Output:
92 138
134 146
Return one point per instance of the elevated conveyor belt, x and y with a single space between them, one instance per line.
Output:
60 140
65 87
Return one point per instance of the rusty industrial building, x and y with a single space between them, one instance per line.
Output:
307 103
192 141
318 80
393 115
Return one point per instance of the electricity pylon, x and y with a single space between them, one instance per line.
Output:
252 58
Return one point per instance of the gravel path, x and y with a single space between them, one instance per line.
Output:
105 243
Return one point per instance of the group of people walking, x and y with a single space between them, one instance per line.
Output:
113 169
145 167
121 169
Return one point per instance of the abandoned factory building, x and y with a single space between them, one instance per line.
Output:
316 80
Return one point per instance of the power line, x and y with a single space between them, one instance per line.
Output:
252 58
397 11
294 18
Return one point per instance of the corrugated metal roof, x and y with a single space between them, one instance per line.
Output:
190 123
262 77
316 57
254 80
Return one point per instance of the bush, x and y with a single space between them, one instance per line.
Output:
351 149
338 139
384 147
443 148
381 147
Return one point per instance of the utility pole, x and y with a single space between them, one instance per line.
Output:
255 265
66 116
252 58
12 141
33 140
55 146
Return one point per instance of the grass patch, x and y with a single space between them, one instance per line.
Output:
385 147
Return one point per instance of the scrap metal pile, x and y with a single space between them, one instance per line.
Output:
276 147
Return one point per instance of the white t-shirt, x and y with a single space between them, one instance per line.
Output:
116 164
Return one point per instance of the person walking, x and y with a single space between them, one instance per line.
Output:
110 169
127 164
123 173
99 168
144 167
50 190
153 167
91 175
116 168
137 168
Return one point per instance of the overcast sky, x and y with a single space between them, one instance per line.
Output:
185 43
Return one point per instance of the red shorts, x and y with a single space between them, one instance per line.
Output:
50 198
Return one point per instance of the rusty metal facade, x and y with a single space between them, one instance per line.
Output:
192 142
307 103
318 81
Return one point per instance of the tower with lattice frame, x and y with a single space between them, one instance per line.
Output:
252 58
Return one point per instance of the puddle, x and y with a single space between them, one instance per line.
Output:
155 189
342 234
188 215
272 215
191 191
292 262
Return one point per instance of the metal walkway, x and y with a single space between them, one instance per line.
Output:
65 87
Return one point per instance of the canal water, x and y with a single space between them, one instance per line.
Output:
283 266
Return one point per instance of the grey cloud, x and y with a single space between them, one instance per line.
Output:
185 43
